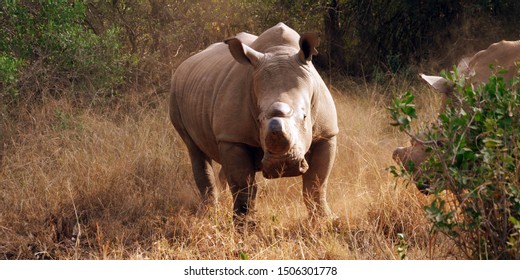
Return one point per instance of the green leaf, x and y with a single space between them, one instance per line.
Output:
243 256
492 143
404 121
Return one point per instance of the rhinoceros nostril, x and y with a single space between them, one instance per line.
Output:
303 166
397 154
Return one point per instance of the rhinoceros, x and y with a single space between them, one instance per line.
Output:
475 70
256 104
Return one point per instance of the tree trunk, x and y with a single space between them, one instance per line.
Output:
334 37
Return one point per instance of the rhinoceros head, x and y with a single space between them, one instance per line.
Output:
283 88
411 158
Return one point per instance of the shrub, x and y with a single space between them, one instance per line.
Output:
46 47
475 173
9 73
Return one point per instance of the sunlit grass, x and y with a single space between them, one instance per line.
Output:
116 183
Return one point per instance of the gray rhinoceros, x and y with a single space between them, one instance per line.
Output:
475 69
257 104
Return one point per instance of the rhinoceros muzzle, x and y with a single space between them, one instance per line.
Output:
282 157
277 139
287 166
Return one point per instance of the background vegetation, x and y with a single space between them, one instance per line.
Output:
100 46
91 168
473 171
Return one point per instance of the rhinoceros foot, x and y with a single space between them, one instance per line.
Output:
284 166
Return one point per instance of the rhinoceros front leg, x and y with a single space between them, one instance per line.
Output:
320 159
239 168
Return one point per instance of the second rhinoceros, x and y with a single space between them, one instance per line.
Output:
503 56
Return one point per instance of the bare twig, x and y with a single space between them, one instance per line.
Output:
424 142
177 52
77 225
462 135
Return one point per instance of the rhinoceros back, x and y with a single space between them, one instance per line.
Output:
502 55
208 89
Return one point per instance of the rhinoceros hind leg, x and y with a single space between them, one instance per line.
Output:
315 179
200 163
204 176
222 181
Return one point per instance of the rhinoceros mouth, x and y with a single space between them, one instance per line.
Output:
288 165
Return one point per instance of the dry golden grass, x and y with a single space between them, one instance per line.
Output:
116 183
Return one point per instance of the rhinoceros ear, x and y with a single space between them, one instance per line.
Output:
243 53
439 83
309 41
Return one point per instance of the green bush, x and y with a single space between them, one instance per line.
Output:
46 47
474 174
9 73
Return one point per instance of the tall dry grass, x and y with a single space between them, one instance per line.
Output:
116 183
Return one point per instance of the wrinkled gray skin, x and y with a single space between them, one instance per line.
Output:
475 70
257 104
